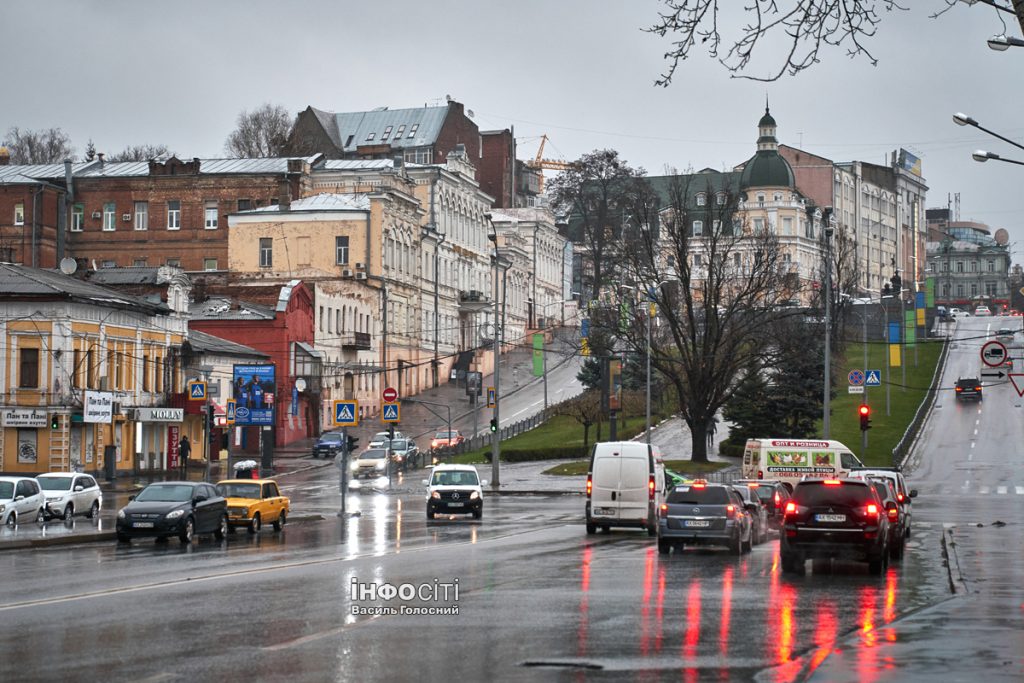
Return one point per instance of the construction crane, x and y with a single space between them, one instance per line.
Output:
540 163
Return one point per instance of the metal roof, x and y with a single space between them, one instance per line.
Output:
203 342
360 165
359 125
18 282
42 170
126 169
136 275
318 202
220 308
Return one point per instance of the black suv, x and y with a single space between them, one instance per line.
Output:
968 388
773 495
329 445
834 518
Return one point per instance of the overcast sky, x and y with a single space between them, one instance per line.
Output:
178 73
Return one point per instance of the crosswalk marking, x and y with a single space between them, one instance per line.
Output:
1001 490
1020 490
983 490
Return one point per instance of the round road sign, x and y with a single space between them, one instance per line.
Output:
390 395
993 353
856 378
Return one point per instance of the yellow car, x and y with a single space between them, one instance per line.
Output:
251 502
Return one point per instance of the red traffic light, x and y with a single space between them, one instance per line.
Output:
865 410
865 416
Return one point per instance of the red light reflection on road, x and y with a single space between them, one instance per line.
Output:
787 598
726 618
825 630
645 604
581 629
867 662
692 636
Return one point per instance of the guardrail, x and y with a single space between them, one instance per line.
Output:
903 446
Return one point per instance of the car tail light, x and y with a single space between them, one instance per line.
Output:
894 514
832 482
871 510
977 388
651 487
790 508
899 497
959 389
664 510
698 485
730 511
760 474
778 499
590 485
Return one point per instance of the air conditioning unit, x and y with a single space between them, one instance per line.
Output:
360 276
126 217
97 214
360 266
346 273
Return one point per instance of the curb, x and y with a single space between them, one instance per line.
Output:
108 536
533 492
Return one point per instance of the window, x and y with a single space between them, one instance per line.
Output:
778 196
174 215
341 250
959 266
702 199
109 216
760 198
787 225
145 372
698 228
960 291
321 318
76 371
176 262
973 265
398 133
139 263
720 199
736 260
758 225
991 266
412 131
108 263
386 134
209 264
370 137
337 321
697 260
19 214
974 289
77 217
142 215
210 213
244 204
420 155
716 227
990 289
28 375
266 252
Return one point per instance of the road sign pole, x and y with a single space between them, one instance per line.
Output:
344 468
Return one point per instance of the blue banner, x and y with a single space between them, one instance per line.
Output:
894 333
920 300
253 389
585 328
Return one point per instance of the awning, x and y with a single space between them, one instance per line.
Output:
310 350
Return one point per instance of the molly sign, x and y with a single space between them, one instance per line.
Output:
98 407
159 414
23 417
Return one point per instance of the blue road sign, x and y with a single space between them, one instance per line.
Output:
856 378
873 379
346 413
197 391
229 411
390 412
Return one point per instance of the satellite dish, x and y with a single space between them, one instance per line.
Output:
1002 237
300 384
68 266
470 112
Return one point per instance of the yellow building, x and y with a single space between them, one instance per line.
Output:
80 360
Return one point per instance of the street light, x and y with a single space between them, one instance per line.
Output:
962 119
1003 42
982 156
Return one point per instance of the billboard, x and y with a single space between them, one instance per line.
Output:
253 389
909 162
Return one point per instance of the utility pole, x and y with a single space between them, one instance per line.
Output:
826 234
647 429
496 435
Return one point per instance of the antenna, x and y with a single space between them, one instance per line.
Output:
68 266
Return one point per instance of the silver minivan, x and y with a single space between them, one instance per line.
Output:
20 500
625 486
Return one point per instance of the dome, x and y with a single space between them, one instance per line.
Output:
766 120
767 169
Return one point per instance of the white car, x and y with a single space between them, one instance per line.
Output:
20 499
381 438
370 464
70 493
982 311
455 489
958 313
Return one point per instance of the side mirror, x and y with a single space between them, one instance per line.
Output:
753 507
17 498
77 489
426 482
131 498
483 482
913 493
198 499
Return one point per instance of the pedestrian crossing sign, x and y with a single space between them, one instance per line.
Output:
196 390
229 411
873 378
390 412
346 413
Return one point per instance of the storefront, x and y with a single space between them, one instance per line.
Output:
156 437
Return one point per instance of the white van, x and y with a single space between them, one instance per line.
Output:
625 486
790 460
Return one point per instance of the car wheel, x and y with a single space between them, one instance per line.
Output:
124 538
41 516
749 545
12 519
222 528
94 510
188 532
281 520
735 545
793 564
69 512
664 546
430 513
875 565
256 524
591 528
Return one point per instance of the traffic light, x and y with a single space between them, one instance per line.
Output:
494 425
351 444
55 422
865 417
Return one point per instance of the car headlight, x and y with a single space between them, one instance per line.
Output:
474 495
174 514
435 494
355 465
381 465
120 513
2 507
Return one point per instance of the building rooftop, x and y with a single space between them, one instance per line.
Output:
24 283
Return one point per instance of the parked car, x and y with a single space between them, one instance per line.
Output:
69 494
958 313
982 311
834 518
405 454
370 464
328 445
704 514
175 508
446 439
455 489
21 499
773 495
251 502
968 388
758 514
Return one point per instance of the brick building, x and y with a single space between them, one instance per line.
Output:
32 207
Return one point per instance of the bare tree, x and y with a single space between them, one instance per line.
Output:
49 146
586 410
715 283
262 132
803 27
140 153
592 194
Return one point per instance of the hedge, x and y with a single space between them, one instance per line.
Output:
553 453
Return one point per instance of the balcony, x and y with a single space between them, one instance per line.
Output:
359 341
472 300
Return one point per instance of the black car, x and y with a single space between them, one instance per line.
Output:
405 454
968 388
758 514
328 445
773 495
834 518
897 532
705 514
174 508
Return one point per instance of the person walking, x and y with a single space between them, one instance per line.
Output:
184 451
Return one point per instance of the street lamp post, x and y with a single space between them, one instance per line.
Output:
500 264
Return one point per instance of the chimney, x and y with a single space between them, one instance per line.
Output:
284 195
100 155
5 156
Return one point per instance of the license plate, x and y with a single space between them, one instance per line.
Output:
830 518
142 525
455 505
604 511
696 523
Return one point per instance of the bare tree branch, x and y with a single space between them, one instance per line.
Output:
261 133
140 153
49 146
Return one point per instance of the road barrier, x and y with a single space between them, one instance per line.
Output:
914 428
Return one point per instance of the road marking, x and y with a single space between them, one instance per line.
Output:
970 456
983 490
975 432
1020 490
1001 490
